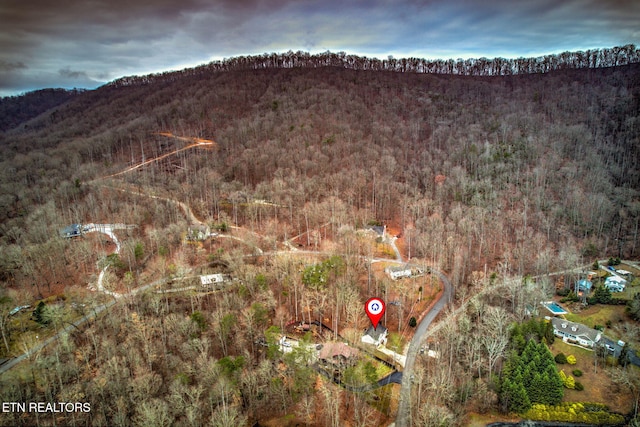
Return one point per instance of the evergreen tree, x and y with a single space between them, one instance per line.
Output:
37 314
518 342
549 337
529 351
512 365
536 389
601 295
633 306
533 372
624 358
515 397
555 386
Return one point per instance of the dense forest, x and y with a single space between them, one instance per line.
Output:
487 168
530 164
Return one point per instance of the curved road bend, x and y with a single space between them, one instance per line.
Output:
403 418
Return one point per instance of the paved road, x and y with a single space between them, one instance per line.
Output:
403 418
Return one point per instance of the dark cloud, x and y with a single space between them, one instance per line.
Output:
108 39
11 66
68 74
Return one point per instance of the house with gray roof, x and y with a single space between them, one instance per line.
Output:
74 230
375 336
576 333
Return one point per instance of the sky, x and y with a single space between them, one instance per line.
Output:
86 43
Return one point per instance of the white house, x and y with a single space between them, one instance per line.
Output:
377 336
210 279
575 332
615 283
198 232
615 280
398 272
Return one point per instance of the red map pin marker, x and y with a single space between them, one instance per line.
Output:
374 309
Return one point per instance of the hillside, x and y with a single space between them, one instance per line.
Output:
555 154
19 109
507 174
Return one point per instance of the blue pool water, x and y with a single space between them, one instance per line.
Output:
555 308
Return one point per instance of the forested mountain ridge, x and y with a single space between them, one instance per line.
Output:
558 152
485 177
592 58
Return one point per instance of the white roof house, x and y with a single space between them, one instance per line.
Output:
398 272
198 232
615 279
210 279
615 284
575 332
375 336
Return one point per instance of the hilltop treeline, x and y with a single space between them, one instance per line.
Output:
592 58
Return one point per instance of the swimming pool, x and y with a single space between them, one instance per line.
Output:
554 307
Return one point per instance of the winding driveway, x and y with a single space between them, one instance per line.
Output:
403 418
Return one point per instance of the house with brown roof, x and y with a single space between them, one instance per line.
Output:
338 354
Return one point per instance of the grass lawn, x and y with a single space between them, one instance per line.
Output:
598 315
396 342
598 386
629 291
382 370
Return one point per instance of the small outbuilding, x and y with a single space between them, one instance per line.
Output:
214 279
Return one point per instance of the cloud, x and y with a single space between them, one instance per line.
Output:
68 74
11 66
109 39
